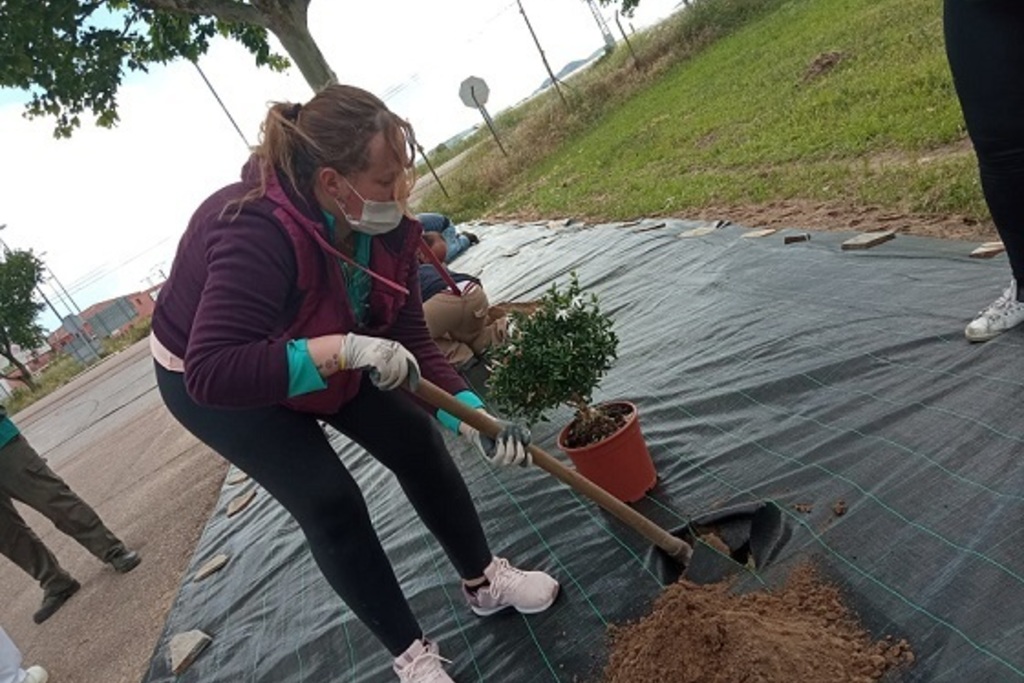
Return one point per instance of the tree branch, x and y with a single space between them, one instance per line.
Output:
225 10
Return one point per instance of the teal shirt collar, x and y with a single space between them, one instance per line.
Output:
356 281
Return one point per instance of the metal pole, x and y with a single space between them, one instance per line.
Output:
222 105
431 167
487 120
551 75
60 297
99 319
636 61
52 307
66 293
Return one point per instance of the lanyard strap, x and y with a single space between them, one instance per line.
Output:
441 270
380 278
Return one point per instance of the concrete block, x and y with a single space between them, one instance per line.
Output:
988 250
185 648
866 240
213 566
241 502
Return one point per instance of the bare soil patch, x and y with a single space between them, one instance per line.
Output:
707 634
818 215
822 65
840 217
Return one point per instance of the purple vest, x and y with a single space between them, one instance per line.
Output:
324 307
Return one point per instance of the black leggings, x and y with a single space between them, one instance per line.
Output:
287 453
985 47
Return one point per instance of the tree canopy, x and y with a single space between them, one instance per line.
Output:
627 7
72 55
20 273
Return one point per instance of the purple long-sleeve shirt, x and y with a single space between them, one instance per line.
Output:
232 295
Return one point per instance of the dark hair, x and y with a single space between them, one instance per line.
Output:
332 129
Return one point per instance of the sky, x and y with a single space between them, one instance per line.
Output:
106 208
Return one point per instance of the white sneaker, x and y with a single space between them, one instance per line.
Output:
36 674
1001 315
421 663
528 592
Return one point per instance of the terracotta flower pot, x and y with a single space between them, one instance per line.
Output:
620 463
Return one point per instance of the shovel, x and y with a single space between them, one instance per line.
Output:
676 548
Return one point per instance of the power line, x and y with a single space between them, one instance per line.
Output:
97 274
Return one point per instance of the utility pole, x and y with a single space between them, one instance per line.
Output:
60 297
222 105
74 304
636 60
437 178
543 57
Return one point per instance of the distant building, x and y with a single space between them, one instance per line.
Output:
74 339
112 317
80 336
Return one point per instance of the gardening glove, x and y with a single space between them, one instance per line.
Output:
390 364
510 448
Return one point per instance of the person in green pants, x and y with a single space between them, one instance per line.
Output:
26 478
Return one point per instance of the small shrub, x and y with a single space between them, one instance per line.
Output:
556 356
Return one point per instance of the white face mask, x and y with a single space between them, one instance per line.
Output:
378 217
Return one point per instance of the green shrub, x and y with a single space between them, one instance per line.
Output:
556 356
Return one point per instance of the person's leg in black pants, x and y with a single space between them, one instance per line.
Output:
288 454
985 48
405 439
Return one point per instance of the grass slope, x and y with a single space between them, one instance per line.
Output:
742 101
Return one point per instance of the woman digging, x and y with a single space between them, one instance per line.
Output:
293 298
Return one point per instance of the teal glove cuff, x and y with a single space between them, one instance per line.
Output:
303 377
468 398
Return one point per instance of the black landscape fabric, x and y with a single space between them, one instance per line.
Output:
801 375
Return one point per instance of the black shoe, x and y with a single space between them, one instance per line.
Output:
125 560
473 239
54 601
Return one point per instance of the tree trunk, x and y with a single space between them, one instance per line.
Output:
287 19
26 375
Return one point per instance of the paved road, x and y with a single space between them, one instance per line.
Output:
109 436
96 404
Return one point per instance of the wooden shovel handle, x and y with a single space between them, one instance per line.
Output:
675 547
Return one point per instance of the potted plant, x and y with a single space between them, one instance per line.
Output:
557 356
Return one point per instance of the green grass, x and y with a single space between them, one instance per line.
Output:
729 115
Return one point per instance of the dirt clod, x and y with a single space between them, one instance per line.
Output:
707 634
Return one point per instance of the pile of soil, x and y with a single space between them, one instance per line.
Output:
707 634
